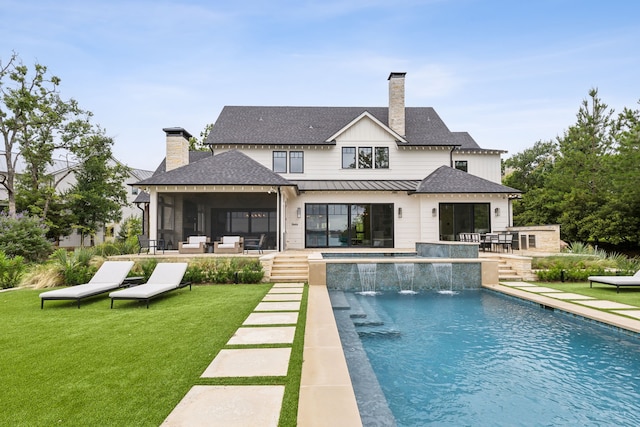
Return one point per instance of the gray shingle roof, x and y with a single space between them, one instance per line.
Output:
228 168
360 185
449 180
239 125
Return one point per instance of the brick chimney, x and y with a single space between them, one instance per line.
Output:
396 102
177 148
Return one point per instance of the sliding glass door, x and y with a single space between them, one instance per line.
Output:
346 225
456 218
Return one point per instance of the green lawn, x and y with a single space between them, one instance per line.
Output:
629 295
126 366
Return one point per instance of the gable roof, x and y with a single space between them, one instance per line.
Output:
448 180
245 125
228 168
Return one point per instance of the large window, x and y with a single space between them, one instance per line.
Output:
456 218
296 161
280 161
339 225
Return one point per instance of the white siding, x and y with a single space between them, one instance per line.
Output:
485 166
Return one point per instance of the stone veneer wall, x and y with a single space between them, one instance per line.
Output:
547 237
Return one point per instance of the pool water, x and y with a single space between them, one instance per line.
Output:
477 358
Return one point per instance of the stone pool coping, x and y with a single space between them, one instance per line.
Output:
326 393
612 319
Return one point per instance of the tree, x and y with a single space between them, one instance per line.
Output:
623 209
197 144
528 171
98 195
581 178
34 122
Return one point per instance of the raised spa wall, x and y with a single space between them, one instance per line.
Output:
437 265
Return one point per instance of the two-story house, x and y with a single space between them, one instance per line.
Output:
329 177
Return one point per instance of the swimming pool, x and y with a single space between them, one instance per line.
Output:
479 358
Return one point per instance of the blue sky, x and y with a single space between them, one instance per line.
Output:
508 72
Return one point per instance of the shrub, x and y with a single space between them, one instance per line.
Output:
75 267
24 236
225 270
10 270
147 266
130 228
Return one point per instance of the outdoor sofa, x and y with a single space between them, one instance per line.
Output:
194 245
616 281
229 245
166 277
110 276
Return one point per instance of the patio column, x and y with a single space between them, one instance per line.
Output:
153 215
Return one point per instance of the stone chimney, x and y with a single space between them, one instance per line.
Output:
396 102
177 148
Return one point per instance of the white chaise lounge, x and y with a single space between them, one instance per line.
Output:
110 276
616 281
166 277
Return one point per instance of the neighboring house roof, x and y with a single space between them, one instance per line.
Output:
56 166
449 180
242 125
228 168
360 185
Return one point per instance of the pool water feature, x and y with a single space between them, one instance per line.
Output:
479 358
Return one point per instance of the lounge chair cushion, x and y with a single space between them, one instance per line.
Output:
109 276
229 242
166 276
194 242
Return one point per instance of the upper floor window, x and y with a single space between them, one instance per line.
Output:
365 158
280 161
382 157
296 161
348 157
134 190
461 165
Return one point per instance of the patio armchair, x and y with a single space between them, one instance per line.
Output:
145 243
194 245
254 244
229 245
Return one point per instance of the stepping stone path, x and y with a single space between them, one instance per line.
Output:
616 307
273 322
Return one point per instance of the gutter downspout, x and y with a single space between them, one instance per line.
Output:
451 156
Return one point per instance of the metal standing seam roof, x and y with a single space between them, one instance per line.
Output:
356 185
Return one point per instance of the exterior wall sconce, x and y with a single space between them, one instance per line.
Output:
434 212
399 212
299 213
496 211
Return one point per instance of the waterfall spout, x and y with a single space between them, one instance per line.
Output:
405 277
444 278
367 279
